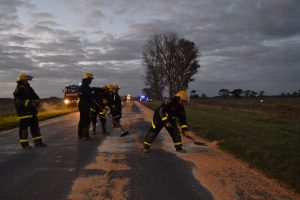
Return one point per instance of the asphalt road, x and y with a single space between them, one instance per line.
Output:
107 167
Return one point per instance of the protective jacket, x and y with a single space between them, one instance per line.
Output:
167 112
116 106
25 101
85 96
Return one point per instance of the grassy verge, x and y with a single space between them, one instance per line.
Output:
47 111
267 142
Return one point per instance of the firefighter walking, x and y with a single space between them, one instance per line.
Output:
84 105
165 116
26 103
116 108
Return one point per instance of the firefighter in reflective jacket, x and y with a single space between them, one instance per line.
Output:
99 108
26 102
84 105
165 116
116 107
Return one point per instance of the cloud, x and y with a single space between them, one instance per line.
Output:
243 44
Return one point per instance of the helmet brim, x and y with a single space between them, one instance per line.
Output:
26 78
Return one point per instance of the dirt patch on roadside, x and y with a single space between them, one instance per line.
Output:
230 179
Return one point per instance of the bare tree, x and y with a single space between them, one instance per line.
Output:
154 71
174 60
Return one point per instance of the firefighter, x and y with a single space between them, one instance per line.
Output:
116 108
99 108
165 116
27 102
84 105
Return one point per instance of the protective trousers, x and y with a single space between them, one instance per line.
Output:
84 123
103 121
157 125
33 124
102 118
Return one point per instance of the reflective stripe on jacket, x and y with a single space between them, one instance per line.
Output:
170 111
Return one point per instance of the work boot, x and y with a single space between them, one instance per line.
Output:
124 134
181 150
86 133
27 147
80 132
146 147
41 145
94 129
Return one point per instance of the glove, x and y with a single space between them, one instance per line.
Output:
35 103
106 109
167 124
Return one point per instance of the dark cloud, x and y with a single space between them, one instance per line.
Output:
243 44
41 15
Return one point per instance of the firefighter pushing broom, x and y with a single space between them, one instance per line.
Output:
165 116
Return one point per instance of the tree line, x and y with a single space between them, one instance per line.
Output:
237 93
250 93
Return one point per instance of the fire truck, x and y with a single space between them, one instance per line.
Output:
71 94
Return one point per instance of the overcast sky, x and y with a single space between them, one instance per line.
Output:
253 44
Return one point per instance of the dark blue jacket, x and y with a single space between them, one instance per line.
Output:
26 101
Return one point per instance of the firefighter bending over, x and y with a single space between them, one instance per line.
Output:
26 102
99 108
84 105
116 107
165 116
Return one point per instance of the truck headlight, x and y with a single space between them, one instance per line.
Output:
67 101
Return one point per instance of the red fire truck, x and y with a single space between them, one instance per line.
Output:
71 94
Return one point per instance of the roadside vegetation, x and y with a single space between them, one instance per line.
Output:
50 108
264 134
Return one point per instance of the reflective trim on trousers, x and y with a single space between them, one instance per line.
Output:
25 117
153 125
36 138
183 126
147 143
177 143
24 140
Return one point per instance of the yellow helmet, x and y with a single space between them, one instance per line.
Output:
109 86
182 95
116 86
88 76
24 77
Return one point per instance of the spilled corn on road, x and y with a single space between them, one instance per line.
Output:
113 167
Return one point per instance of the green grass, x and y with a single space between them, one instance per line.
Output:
48 110
270 143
